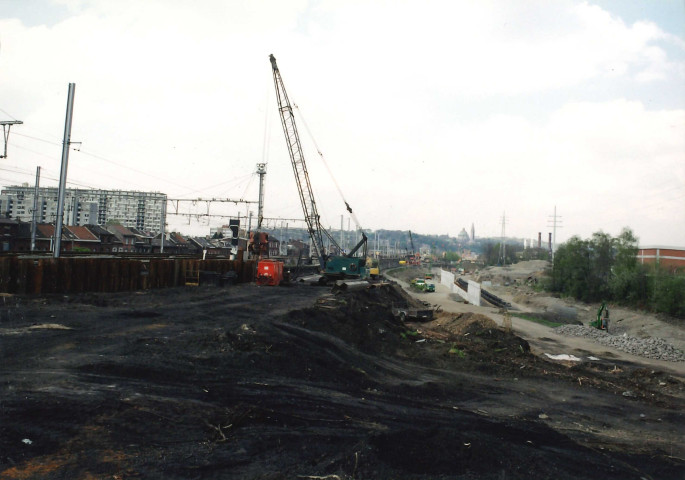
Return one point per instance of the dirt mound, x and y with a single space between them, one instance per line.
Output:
466 323
362 319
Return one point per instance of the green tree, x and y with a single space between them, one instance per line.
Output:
572 268
601 249
491 253
628 281
535 254
451 256
668 292
606 268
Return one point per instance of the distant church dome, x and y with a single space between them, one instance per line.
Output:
463 237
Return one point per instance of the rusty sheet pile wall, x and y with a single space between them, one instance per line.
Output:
75 275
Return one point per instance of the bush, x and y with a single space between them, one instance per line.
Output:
669 294
605 268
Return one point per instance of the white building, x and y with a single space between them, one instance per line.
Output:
145 211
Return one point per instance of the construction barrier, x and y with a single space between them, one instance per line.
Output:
22 275
470 292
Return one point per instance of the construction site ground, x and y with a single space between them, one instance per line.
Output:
513 283
248 382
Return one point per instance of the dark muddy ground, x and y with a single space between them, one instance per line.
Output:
280 383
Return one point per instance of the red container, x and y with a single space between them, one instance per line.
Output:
269 272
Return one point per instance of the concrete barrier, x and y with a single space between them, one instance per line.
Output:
472 295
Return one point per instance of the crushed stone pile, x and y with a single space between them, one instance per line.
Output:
656 348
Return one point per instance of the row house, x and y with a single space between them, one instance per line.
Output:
73 239
211 248
9 234
15 236
297 249
174 243
126 238
274 246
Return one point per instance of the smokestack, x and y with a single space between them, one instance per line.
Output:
550 241
539 239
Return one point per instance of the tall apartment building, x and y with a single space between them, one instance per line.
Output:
145 211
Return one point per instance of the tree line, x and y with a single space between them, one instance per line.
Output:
605 268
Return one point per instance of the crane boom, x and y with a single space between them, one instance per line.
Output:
331 266
304 186
415 258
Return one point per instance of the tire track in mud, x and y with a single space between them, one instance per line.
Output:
263 383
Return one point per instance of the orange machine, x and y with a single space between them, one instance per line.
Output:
269 272
259 244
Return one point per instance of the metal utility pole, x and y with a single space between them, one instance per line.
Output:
161 237
6 125
261 171
502 245
57 244
555 220
34 221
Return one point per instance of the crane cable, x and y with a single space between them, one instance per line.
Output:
347 205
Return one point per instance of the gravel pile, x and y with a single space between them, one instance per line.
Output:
656 348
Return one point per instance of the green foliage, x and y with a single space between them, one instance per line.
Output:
454 350
535 254
629 281
572 269
409 333
451 256
491 253
669 293
606 268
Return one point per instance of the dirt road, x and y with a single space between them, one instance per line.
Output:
282 383
543 339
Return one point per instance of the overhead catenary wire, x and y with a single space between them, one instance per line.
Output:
48 177
330 172
94 155
122 165
5 112
234 182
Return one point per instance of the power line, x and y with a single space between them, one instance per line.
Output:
70 182
39 139
502 245
3 111
118 164
556 223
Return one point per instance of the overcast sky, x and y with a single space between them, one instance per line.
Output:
431 115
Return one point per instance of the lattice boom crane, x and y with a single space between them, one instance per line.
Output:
332 266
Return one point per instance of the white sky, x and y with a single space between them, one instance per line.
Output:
432 115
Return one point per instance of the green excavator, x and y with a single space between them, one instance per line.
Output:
602 321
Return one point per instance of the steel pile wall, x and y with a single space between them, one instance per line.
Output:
76 275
